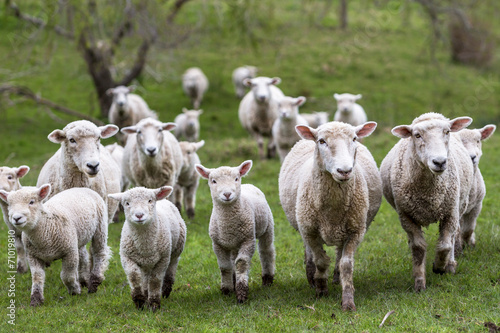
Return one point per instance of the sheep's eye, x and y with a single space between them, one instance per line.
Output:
150 201
160 130
418 136
72 140
10 177
236 179
354 139
322 141
127 203
446 132
138 132
478 141
32 202
213 181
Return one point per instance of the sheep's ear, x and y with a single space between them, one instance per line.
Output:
358 96
108 131
200 111
163 192
44 191
300 100
22 171
204 172
3 195
275 80
184 110
245 167
366 129
129 130
168 126
131 88
247 82
110 91
199 144
402 131
487 131
336 96
116 196
306 132
459 123
57 136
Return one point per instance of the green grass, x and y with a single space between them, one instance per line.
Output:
388 64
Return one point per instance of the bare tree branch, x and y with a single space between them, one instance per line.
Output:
140 61
175 10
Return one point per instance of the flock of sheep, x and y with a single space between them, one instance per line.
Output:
330 189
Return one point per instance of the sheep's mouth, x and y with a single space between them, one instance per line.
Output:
92 173
438 171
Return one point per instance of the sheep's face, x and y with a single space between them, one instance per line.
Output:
472 141
139 203
345 102
260 87
120 98
225 182
25 205
288 107
192 123
430 139
80 143
149 135
336 145
9 177
189 155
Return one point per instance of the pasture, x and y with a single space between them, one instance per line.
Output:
384 55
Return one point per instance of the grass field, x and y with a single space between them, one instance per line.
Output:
384 56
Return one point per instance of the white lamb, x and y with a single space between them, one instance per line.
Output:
330 190
189 179
9 181
82 161
471 139
188 125
240 215
259 109
152 156
315 119
427 177
127 109
152 240
284 134
348 111
60 228
240 74
194 84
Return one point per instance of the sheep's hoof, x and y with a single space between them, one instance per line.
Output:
154 304
321 287
451 267
348 300
225 290
419 285
139 301
94 283
241 292
267 280
438 270
190 213
166 291
22 268
36 299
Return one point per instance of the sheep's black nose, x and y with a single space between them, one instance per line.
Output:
439 162
93 166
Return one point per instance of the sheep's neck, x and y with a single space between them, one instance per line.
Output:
70 175
229 211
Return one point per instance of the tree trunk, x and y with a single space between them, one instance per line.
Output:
343 14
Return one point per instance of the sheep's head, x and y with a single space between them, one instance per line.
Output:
25 205
225 182
345 102
472 139
336 145
139 203
430 138
189 150
260 87
120 97
192 122
288 107
149 133
80 142
9 177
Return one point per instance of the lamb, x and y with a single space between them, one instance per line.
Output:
9 181
348 111
315 119
127 109
82 161
284 134
188 125
187 184
240 215
194 84
152 240
330 190
427 177
240 74
116 152
471 139
259 109
152 156
60 228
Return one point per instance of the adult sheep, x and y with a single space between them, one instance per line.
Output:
82 161
427 177
240 74
330 190
259 109
194 84
348 111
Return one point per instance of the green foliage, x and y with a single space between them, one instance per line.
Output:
383 56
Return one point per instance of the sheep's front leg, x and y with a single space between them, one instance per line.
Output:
69 273
336 270
83 266
445 258
178 197
37 280
267 256
190 198
242 265
169 279
22 263
346 268
271 148
418 247
469 225
100 257
321 261
155 282
136 281
226 269
310 266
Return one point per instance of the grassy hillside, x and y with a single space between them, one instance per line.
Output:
384 56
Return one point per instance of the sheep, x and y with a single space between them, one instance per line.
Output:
116 152
194 84
259 109
330 190
152 156
60 228
284 134
152 240
9 181
82 161
188 125
471 139
348 111
127 109
316 118
427 177
240 74
240 215
187 183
